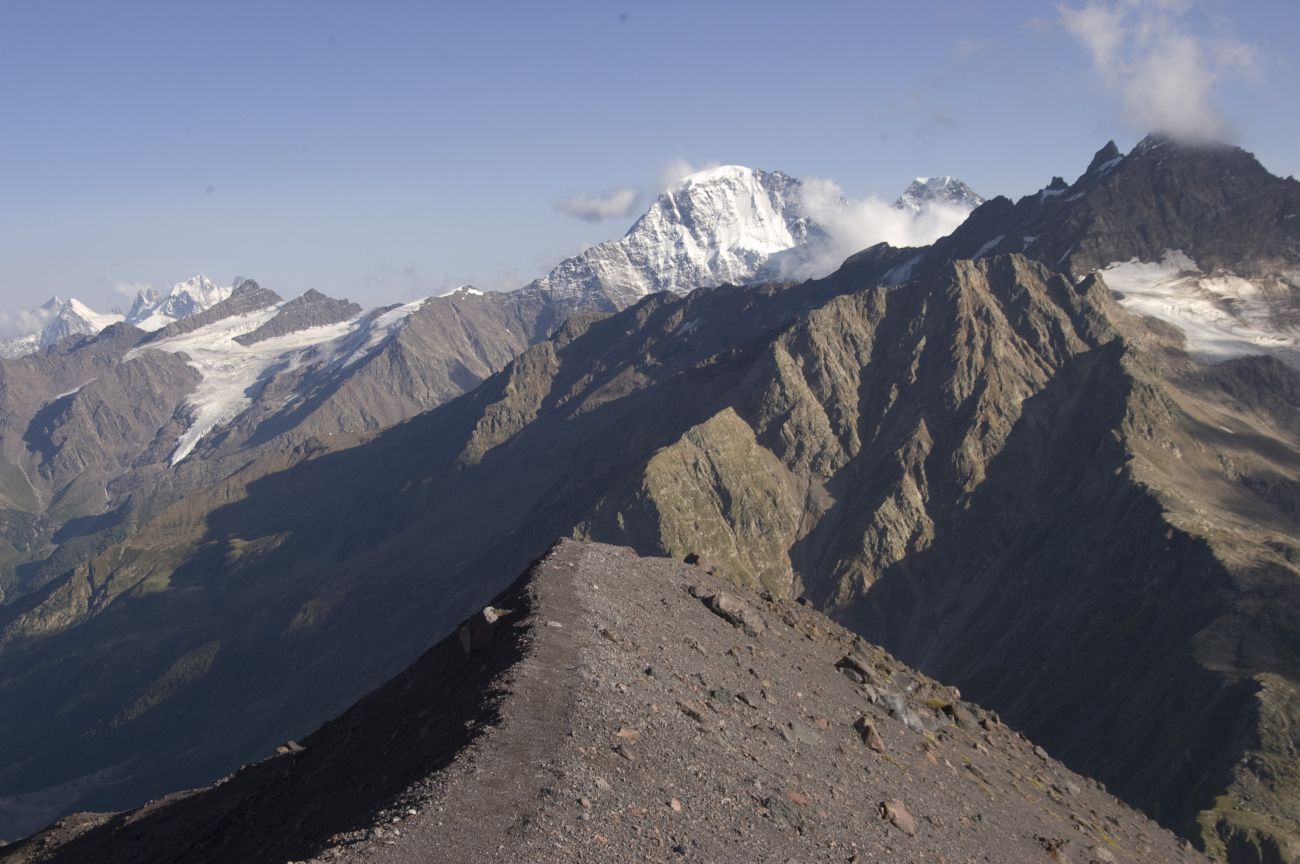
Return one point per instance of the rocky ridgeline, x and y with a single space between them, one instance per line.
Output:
615 708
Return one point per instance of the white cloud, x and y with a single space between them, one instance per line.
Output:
852 225
131 289
1163 74
615 204
23 323
678 170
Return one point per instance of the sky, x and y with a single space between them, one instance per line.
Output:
388 150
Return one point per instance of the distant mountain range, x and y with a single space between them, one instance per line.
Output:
728 224
1050 458
61 319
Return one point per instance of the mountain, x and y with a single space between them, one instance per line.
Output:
276 375
56 319
832 439
1202 237
978 456
720 225
726 225
674 715
82 459
152 311
927 192
729 224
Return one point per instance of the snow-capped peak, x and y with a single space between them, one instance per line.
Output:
726 212
461 291
926 192
54 320
196 294
719 225
731 224
57 319
716 174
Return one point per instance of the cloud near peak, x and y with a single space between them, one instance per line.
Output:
854 224
1163 73
614 204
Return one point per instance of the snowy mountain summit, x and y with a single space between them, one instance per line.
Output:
927 192
721 225
729 224
57 318
153 311
54 320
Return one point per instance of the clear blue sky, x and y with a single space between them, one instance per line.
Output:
381 150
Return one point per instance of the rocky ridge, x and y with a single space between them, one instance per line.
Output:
609 707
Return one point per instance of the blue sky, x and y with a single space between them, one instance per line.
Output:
385 150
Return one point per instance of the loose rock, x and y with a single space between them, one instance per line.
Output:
895 812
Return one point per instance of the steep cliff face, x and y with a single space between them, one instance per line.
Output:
869 418
1083 550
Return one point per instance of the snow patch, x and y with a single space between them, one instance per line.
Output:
686 328
461 291
1222 315
900 273
989 246
378 332
1109 164
231 371
73 392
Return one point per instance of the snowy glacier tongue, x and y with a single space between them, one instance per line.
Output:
1221 315
231 371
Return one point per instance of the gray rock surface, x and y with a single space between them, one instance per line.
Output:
312 309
